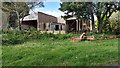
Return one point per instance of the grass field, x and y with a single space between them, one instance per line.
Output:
61 53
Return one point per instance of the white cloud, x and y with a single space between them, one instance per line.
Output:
56 13
53 13
51 0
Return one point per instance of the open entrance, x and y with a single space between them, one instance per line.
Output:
71 26
28 24
56 27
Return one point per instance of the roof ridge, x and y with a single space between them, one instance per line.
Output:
46 14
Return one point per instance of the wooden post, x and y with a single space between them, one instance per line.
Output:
60 28
38 25
76 25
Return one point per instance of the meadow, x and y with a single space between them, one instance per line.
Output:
55 51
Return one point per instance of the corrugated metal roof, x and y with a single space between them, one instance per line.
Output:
33 16
61 20
72 18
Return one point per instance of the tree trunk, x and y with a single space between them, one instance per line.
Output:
81 25
93 23
99 24
92 16
22 20
19 24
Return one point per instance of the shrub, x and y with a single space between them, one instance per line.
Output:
17 37
13 37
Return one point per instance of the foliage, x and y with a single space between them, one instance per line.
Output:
82 11
13 37
18 10
74 9
114 22
103 11
87 10
17 37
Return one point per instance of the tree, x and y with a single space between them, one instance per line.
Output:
20 9
103 11
76 9
115 22
16 10
87 10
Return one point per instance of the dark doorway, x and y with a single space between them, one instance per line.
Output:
71 25
30 23
56 27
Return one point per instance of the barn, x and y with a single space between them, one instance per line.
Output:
47 23
43 22
75 26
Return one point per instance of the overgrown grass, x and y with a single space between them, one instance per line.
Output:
18 37
28 48
61 53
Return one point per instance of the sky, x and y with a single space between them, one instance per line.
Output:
51 8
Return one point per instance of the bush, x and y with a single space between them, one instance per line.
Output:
13 37
17 37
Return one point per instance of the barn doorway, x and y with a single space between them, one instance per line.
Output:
29 24
71 26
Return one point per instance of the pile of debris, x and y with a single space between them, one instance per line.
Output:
108 37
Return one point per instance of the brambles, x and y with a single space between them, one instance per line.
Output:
17 37
12 37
